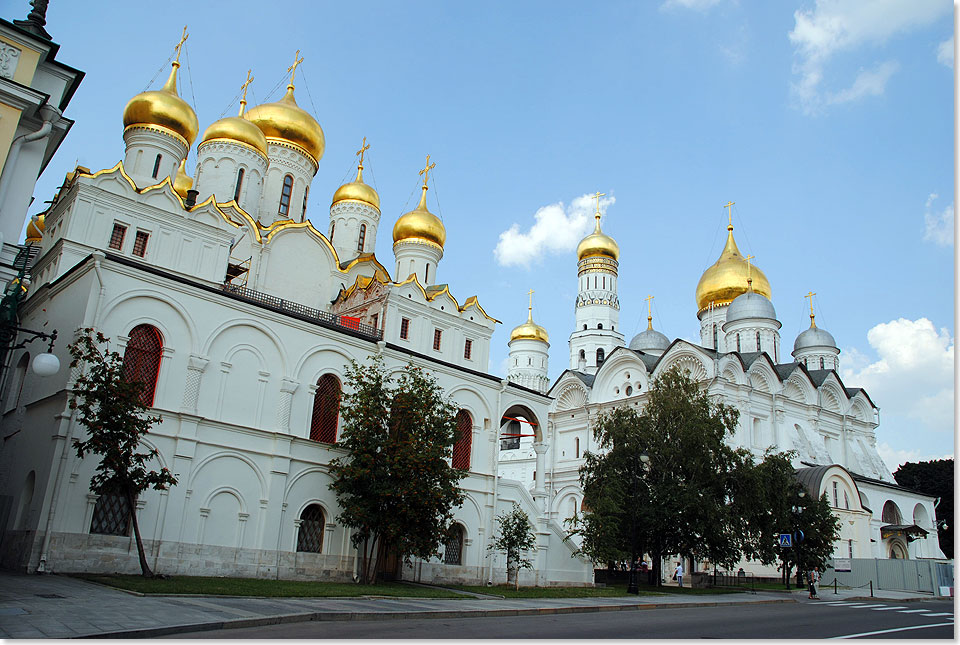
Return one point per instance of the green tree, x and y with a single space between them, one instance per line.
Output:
677 502
821 529
933 478
395 487
514 536
110 408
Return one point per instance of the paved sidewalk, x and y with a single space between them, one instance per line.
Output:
52 606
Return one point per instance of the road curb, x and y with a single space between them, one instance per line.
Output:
239 623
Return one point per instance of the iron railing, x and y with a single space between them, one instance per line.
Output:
323 317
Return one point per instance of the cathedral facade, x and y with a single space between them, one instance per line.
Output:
786 402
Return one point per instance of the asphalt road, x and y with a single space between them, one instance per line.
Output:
805 619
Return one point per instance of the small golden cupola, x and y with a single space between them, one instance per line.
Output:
163 110
530 330
183 182
357 190
726 278
237 129
598 243
529 359
35 229
286 124
420 224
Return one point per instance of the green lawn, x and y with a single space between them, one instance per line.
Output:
267 588
612 591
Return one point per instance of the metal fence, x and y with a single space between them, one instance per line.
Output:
920 576
323 317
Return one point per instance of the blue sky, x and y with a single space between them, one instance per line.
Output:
829 124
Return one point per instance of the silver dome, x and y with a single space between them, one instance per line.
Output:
650 339
814 337
750 305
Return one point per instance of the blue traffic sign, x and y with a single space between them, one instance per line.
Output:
786 540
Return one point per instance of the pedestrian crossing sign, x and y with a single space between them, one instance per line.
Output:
786 540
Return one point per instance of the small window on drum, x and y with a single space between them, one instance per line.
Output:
236 191
156 166
285 194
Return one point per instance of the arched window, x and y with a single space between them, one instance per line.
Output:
599 356
891 513
326 410
583 355
111 515
758 341
303 213
453 548
821 362
362 236
426 274
584 327
141 360
156 166
576 447
333 225
236 191
529 361
599 325
310 535
715 341
738 342
461 449
285 195
836 495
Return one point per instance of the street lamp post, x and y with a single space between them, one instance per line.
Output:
46 364
795 511
633 586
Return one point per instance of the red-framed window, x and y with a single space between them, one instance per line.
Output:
437 335
141 360
326 409
467 348
461 449
116 237
140 243
404 328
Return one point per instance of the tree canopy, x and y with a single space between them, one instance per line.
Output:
395 487
514 536
933 478
110 407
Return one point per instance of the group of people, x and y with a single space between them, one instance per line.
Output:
813 580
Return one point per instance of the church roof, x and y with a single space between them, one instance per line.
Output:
811 478
649 360
818 376
784 370
587 379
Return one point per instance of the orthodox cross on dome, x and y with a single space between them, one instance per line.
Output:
297 59
363 148
729 207
749 278
597 196
649 300
183 39
530 308
243 88
810 296
426 171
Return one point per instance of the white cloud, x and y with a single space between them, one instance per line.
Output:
945 52
696 5
834 26
896 458
912 381
938 225
868 83
556 229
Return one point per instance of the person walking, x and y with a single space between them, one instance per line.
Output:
813 577
678 574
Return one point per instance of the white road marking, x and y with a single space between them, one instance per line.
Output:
891 631
943 614
871 606
889 608
914 611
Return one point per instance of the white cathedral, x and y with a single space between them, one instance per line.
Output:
241 316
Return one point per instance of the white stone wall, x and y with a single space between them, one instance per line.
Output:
218 165
346 217
284 160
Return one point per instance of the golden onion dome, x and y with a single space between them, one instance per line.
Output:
183 182
420 224
597 243
236 129
357 191
285 122
727 277
35 229
529 330
163 108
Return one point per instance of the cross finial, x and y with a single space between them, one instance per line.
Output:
597 196
243 88
810 296
363 148
729 207
649 300
426 170
297 59
530 307
749 278
183 39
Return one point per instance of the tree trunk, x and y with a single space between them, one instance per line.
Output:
144 567
382 547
